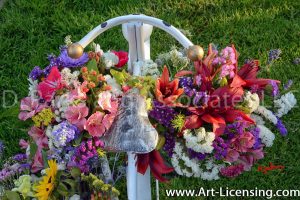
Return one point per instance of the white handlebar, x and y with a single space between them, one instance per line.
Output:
136 18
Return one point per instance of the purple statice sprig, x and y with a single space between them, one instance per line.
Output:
274 54
195 155
10 172
21 157
288 85
255 132
281 127
169 144
163 115
297 61
36 73
220 148
275 89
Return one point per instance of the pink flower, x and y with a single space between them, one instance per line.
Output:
232 171
243 142
104 100
23 144
39 137
76 115
94 124
80 91
50 85
29 107
227 69
123 58
229 54
232 155
37 163
250 158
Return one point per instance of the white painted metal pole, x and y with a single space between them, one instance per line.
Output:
131 177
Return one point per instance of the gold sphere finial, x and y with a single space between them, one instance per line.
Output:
75 50
195 53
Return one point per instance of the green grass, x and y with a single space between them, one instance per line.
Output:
30 30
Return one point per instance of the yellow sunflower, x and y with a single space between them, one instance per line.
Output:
45 187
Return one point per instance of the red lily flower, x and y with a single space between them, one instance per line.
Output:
167 92
156 162
248 73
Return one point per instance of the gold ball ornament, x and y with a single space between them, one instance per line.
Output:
75 50
195 53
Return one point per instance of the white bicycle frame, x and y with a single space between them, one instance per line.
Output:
137 30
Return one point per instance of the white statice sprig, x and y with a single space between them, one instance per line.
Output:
202 142
110 59
285 103
116 89
185 166
60 104
148 68
267 114
266 135
33 91
252 101
258 119
68 77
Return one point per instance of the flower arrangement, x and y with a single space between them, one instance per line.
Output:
209 115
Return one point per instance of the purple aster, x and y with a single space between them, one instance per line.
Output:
274 55
281 127
220 148
65 133
255 132
20 157
35 73
163 114
275 91
187 84
70 62
193 154
169 144
288 85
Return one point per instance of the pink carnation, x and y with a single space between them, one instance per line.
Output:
80 91
232 155
76 115
104 100
94 125
250 158
29 107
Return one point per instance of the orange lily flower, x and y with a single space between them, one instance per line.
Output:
167 92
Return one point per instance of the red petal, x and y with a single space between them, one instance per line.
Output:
192 121
237 81
164 79
231 116
217 121
142 163
183 73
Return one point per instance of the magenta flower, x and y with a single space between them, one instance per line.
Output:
39 137
94 125
29 107
37 163
232 171
23 144
76 115
232 155
243 142
250 158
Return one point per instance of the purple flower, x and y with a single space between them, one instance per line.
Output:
169 144
255 132
193 154
20 157
36 73
288 85
163 115
65 133
274 55
275 91
70 62
281 127
220 148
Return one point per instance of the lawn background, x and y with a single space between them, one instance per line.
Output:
29 30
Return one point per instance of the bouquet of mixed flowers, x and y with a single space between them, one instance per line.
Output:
209 115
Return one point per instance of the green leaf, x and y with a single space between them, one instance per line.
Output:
45 158
72 183
92 65
161 142
33 149
75 172
120 77
12 195
62 189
